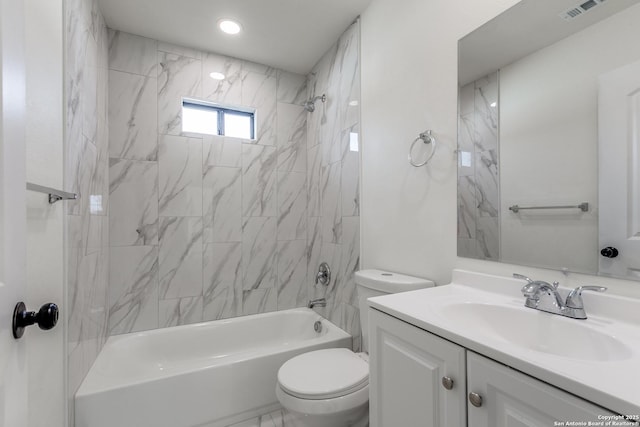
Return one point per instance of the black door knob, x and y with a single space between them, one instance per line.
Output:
609 252
46 318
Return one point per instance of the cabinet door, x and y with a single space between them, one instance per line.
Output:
513 399
407 365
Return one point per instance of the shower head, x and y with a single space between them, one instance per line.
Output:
310 105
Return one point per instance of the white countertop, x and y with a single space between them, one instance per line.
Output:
613 384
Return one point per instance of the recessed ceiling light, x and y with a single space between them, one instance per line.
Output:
217 76
228 26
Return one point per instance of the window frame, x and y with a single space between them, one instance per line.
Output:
221 109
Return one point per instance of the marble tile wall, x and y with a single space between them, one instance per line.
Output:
86 173
173 229
478 180
202 227
333 174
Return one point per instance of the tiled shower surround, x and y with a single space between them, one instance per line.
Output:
173 229
478 183
333 175
207 227
86 173
200 224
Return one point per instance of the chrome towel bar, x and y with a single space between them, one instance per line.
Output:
584 207
54 195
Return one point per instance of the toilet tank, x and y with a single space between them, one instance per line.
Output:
373 283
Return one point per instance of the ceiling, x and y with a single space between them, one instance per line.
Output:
288 34
528 26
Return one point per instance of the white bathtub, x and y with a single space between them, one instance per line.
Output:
210 374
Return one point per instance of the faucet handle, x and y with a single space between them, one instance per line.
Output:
574 299
530 290
523 277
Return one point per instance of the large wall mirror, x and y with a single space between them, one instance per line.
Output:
549 137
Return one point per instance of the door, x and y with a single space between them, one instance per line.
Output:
416 379
31 230
619 180
45 350
13 369
512 399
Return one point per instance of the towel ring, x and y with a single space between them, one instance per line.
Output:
427 138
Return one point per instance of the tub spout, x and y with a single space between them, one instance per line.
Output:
320 302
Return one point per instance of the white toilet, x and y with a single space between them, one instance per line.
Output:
330 388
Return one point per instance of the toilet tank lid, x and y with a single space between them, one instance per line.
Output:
390 282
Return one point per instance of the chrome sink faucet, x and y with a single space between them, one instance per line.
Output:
544 296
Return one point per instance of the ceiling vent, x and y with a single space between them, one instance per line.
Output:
580 9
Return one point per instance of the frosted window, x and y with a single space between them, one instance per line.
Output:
237 125
197 119
215 119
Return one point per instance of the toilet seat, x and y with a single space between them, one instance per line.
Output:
324 374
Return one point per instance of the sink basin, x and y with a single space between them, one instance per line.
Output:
538 331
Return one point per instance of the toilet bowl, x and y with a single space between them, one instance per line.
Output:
330 387
325 388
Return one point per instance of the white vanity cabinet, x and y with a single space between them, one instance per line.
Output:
407 367
512 399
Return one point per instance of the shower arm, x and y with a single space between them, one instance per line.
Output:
310 105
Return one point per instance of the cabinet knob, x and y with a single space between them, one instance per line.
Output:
447 383
475 399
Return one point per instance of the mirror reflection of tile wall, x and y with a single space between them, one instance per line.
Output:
478 185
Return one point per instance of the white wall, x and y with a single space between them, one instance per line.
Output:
549 143
409 84
409 220
44 148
